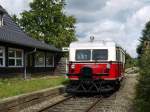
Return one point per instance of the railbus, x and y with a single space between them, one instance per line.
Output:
95 66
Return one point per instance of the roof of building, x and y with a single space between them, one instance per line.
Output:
10 32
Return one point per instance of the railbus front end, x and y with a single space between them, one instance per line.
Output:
95 67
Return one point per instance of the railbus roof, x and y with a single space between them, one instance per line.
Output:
98 43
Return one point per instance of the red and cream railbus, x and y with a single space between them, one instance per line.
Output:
95 66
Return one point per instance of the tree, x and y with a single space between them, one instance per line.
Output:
145 37
46 21
130 62
14 17
142 99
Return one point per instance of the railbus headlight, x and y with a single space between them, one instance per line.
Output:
73 66
108 66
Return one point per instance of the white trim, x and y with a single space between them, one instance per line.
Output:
15 66
73 78
1 20
67 68
65 49
110 78
38 66
3 57
35 64
94 63
15 58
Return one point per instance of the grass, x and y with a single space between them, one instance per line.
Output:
17 86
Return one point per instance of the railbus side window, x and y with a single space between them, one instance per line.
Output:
117 54
121 56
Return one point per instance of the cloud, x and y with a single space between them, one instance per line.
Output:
118 20
84 5
15 6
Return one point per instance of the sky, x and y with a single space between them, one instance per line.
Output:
118 20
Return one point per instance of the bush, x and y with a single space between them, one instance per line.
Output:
130 62
142 100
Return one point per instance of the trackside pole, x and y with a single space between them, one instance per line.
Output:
66 65
25 62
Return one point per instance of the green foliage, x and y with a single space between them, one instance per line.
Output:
46 21
143 88
142 100
14 17
145 37
16 86
130 62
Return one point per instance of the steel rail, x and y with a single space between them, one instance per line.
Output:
46 108
90 107
93 105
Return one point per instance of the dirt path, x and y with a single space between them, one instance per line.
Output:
122 100
125 96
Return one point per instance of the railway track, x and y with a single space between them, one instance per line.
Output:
85 104
78 104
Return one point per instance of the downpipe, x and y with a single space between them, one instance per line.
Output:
25 62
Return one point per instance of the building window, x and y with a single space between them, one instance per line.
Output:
49 60
2 56
40 59
15 57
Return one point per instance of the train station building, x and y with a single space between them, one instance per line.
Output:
20 53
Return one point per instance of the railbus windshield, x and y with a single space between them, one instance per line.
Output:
100 54
94 54
83 55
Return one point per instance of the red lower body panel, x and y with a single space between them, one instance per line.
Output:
101 71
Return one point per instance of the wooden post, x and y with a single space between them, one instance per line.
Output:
146 46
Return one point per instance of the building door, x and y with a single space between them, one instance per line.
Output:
30 61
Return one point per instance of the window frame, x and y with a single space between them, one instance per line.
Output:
16 58
35 64
3 57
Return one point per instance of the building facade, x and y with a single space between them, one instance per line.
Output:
20 53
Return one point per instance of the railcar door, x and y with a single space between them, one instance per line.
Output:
118 59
